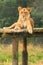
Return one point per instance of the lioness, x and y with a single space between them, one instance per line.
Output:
24 20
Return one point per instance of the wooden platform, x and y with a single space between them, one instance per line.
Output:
24 33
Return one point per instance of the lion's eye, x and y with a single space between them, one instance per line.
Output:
21 12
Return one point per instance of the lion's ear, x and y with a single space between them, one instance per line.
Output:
19 8
29 9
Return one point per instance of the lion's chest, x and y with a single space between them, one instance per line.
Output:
24 23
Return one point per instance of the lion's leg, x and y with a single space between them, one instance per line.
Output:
32 22
12 26
16 26
29 28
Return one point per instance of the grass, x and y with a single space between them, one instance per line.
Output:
5 54
35 54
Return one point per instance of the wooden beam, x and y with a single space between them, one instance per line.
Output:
18 31
38 30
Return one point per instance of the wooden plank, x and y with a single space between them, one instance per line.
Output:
12 30
19 31
38 30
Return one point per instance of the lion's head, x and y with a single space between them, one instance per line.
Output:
24 12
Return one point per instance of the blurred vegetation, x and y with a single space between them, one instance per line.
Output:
9 12
33 57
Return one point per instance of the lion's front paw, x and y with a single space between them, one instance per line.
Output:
6 28
30 30
3 27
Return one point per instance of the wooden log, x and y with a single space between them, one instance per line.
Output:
36 32
18 31
24 53
15 51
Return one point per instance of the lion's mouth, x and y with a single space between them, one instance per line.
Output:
24 18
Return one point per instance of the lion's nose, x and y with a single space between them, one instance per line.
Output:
23 16
25 13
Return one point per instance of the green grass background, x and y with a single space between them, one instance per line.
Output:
35 54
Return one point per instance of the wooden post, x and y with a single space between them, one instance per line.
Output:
24 53
15 51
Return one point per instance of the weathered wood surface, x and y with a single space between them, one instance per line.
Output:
15 50
18 31
24 53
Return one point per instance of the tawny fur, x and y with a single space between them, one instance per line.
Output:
24 20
